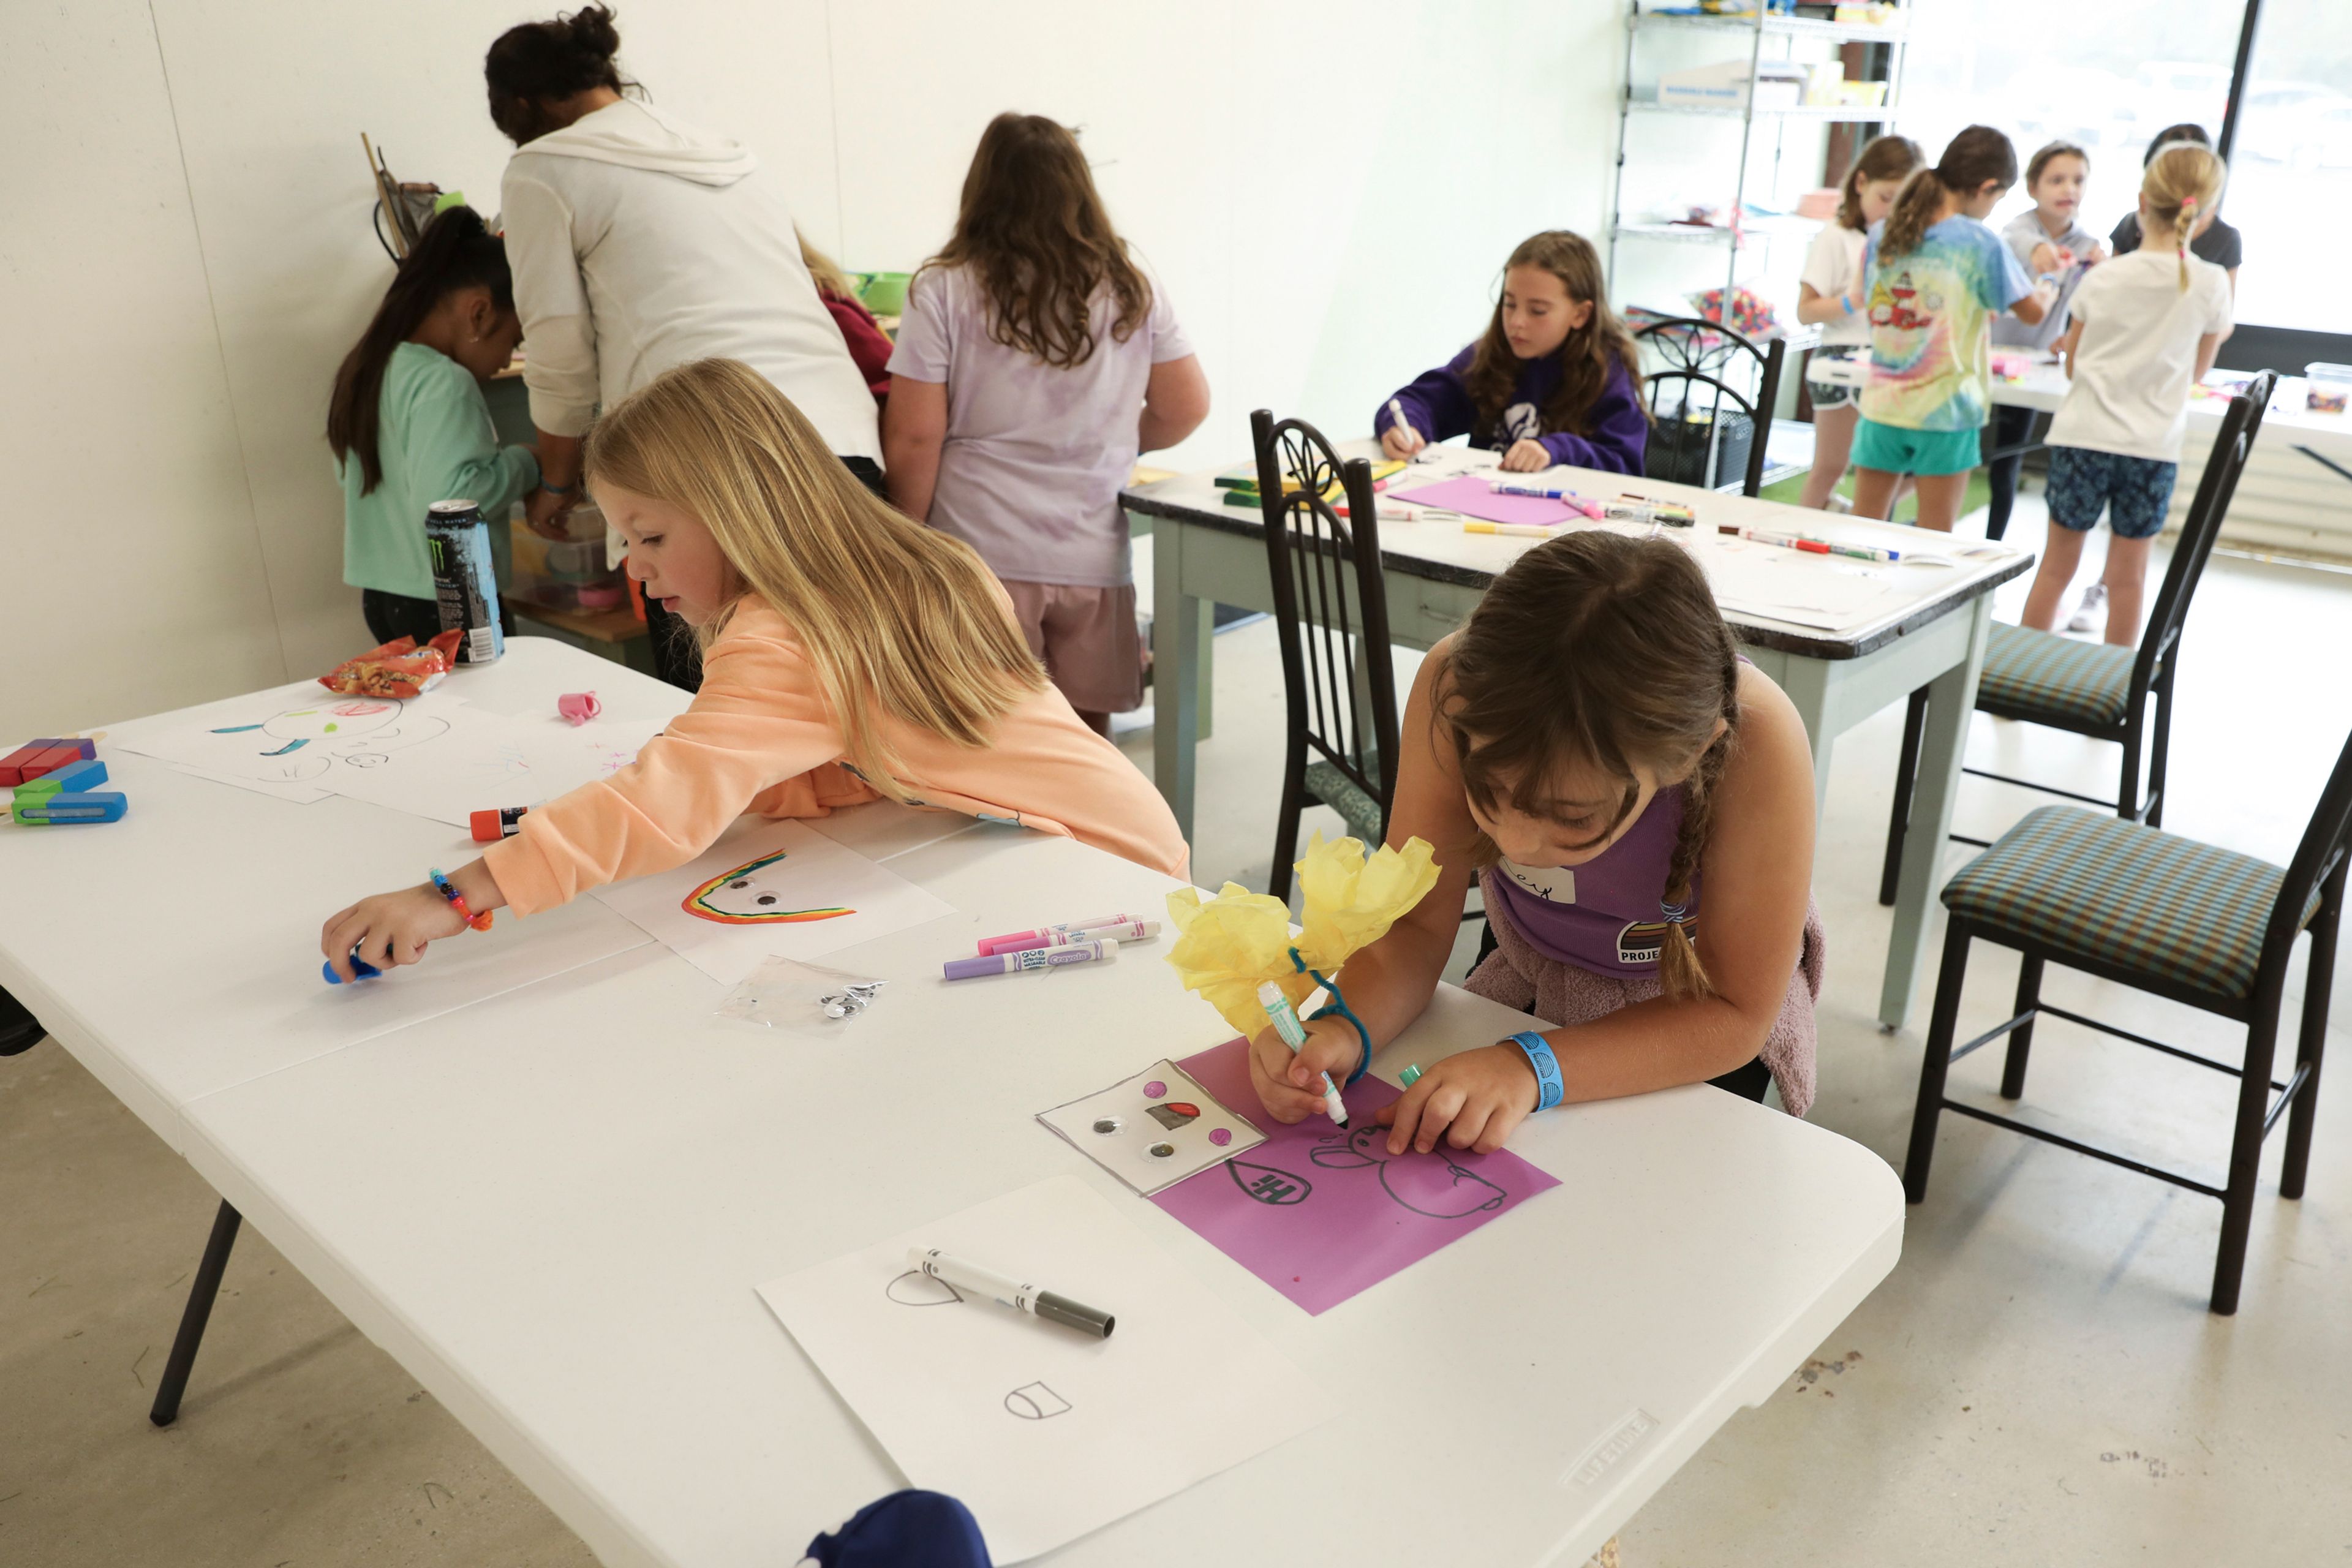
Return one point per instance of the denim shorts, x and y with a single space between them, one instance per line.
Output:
1896 450
2134 490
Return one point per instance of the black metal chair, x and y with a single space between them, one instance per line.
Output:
1699 440
1331 614
2166 915
2092 688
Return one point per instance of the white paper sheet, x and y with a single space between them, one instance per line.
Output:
1044 1433
771 888
434 756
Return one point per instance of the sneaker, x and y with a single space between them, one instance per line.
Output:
1838 503
2087 619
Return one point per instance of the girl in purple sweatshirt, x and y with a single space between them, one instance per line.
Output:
1556 378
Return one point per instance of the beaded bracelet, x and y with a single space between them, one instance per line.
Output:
448 889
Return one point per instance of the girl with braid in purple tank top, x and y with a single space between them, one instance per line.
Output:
1636 802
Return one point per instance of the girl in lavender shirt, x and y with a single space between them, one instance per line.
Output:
1034 361
1592 745
1555 379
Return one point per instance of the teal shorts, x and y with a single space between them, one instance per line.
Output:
1926 453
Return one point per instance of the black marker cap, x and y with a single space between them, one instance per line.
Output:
1072 1315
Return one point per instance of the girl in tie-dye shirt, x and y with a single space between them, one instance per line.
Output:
1934 277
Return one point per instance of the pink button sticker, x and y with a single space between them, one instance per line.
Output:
1154 1089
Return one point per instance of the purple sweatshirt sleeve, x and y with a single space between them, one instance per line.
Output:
1437 402
1620 431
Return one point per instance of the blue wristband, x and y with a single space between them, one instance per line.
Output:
1549 1089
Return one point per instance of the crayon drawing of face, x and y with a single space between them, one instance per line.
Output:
750 895
335 721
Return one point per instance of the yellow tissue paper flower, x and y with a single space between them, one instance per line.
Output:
1227 946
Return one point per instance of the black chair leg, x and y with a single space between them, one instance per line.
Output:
1906 774
1937 1063
19 1030
2159 745
2128 782
2021 1040
2245 1156
2318 980
198 1313
1285 823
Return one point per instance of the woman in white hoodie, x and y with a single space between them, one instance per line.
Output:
639 243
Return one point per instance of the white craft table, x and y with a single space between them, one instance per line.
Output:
551 1206
2290 496
1203 550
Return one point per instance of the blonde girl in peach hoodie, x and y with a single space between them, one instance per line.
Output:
849 655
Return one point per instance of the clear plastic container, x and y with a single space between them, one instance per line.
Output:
2327 387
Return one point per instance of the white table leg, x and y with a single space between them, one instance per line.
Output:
1806 681
1952 698
1177 667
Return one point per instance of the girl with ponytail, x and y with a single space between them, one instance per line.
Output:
407 423
1636 802
2146 325
1933 278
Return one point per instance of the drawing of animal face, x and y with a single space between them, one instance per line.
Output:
1428 1184
754 894
337 720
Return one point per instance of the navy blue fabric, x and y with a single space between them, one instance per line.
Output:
2135 490
906 1530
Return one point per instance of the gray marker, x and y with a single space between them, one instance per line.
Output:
970 1279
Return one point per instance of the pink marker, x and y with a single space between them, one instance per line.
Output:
1033 958
1125 930
1010 941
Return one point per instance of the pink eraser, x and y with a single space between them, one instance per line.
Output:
579 706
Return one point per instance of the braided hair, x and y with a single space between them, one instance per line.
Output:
1606 649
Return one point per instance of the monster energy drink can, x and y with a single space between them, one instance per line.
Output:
458 540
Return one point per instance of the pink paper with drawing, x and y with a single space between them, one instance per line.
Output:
1471 497
1321 1214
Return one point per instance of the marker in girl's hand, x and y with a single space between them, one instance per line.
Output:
1294 1035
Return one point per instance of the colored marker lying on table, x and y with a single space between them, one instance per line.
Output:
1514 530
1806 541
1012 940
489 826
1408 513
970 1279
1294 1035
1126 930
1028 958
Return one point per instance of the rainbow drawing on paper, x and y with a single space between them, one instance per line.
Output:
738 897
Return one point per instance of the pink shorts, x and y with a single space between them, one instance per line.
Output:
1087 639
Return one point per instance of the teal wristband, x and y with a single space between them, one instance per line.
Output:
1549 1089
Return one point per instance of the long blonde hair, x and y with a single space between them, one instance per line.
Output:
823 271
2182 182
897 621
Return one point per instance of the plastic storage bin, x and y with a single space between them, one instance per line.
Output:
2328 387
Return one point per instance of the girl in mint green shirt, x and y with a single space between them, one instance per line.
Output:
409 424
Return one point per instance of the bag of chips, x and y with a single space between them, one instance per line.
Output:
399 668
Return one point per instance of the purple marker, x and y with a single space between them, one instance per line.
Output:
1029 958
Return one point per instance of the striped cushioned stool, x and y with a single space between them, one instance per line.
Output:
2206 927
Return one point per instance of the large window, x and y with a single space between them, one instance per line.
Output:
2106 75
2290 172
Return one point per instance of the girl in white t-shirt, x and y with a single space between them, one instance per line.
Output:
1034 361
2146 326
1828 297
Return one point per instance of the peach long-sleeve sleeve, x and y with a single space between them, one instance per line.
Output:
760 738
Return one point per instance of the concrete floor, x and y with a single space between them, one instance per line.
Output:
2038 1382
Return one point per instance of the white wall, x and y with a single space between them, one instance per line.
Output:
1327 191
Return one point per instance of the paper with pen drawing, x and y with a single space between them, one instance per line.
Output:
1044 1433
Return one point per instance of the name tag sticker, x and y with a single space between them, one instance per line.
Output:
1555 884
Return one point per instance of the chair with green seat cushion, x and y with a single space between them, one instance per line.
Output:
2092 688
1331 617
2185 920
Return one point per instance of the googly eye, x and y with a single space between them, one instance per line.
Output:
738 887
765 899
1162 1150
1106 1125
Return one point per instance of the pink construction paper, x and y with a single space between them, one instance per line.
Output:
1471 497
1321 1214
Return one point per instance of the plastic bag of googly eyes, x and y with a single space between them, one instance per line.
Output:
804 999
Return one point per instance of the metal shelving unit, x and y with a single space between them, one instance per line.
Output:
1759 26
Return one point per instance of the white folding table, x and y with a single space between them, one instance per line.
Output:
551 1206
